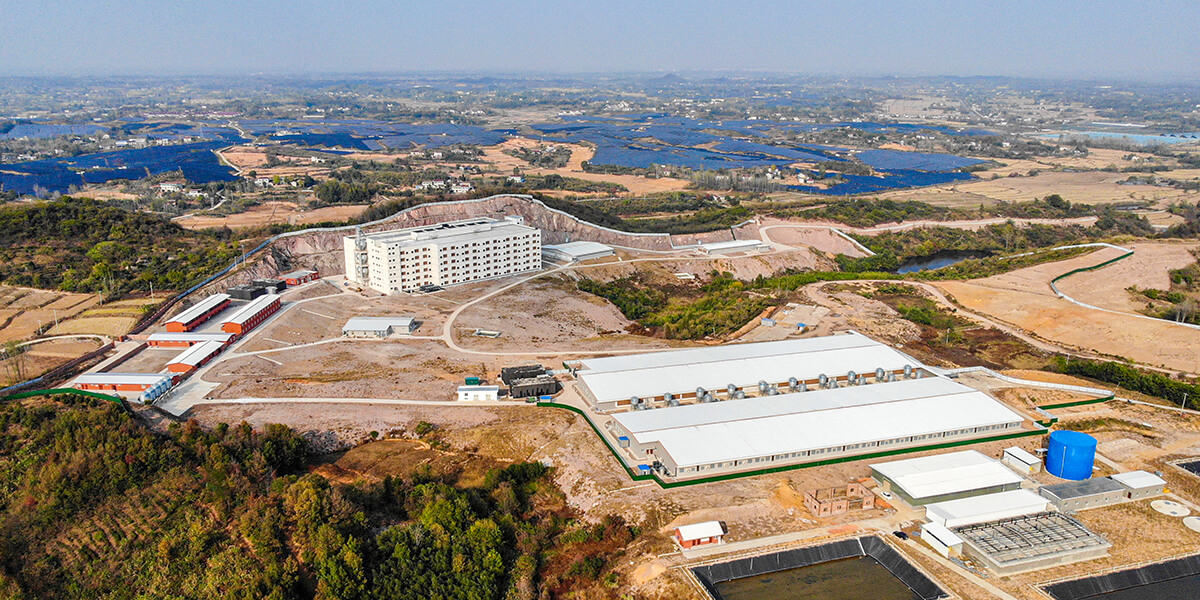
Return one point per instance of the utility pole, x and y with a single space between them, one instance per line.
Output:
1184 403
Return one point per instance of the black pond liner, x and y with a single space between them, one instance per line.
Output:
1192 467
1090 587
710 575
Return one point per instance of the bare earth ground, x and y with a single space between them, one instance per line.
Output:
635 184
324 318
271 212
249 157
1147 269
779 231
1023 298
39 358
23 310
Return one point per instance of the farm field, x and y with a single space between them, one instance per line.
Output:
271 212
39 358
23 310
113 319
579 153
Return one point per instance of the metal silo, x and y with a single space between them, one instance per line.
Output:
1071 455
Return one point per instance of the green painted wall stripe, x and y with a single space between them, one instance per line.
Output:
1093 267
1078 402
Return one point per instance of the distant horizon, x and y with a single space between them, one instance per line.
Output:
583 75
1070 39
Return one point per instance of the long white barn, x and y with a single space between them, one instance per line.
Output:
790 417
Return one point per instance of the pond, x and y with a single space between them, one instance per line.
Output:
846 579
938 260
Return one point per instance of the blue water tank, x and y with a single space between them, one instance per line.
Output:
1071 455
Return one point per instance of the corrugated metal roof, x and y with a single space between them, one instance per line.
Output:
121 378
620 378
766 406
189 336
298 274
199 308
784 434
251 308
650 360
951 473
986 508
197 354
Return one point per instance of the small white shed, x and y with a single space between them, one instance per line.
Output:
1021 461
478 393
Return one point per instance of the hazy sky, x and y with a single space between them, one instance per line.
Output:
1150 40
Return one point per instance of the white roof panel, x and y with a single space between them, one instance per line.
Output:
251 308
577 249
1023 456
189 336
377 323
940 533
767 406
1137 480
783 434
197 354
122 378
732 244
951 473
199 308
650 360
699 531
986 508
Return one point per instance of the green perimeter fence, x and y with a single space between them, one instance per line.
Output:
69 391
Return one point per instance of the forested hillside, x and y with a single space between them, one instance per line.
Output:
94 505
91 246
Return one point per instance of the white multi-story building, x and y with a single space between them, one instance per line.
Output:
442 254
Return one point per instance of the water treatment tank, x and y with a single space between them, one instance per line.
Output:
1071 455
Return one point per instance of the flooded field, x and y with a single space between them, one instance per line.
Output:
847 579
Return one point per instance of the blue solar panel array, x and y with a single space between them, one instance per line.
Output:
636 141
197 161
891 160
43 131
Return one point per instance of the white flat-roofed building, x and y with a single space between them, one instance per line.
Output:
1022 461
478 393
443 254
733 246
611 383
946 542
986 508
942 477
380 327
576 251
757 433
1140 484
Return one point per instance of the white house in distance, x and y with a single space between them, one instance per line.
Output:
405 260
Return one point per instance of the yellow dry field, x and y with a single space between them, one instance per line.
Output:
574 168
248 158
23 310
39 358
104 194
271 212
113 319
1088 188
1023 298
